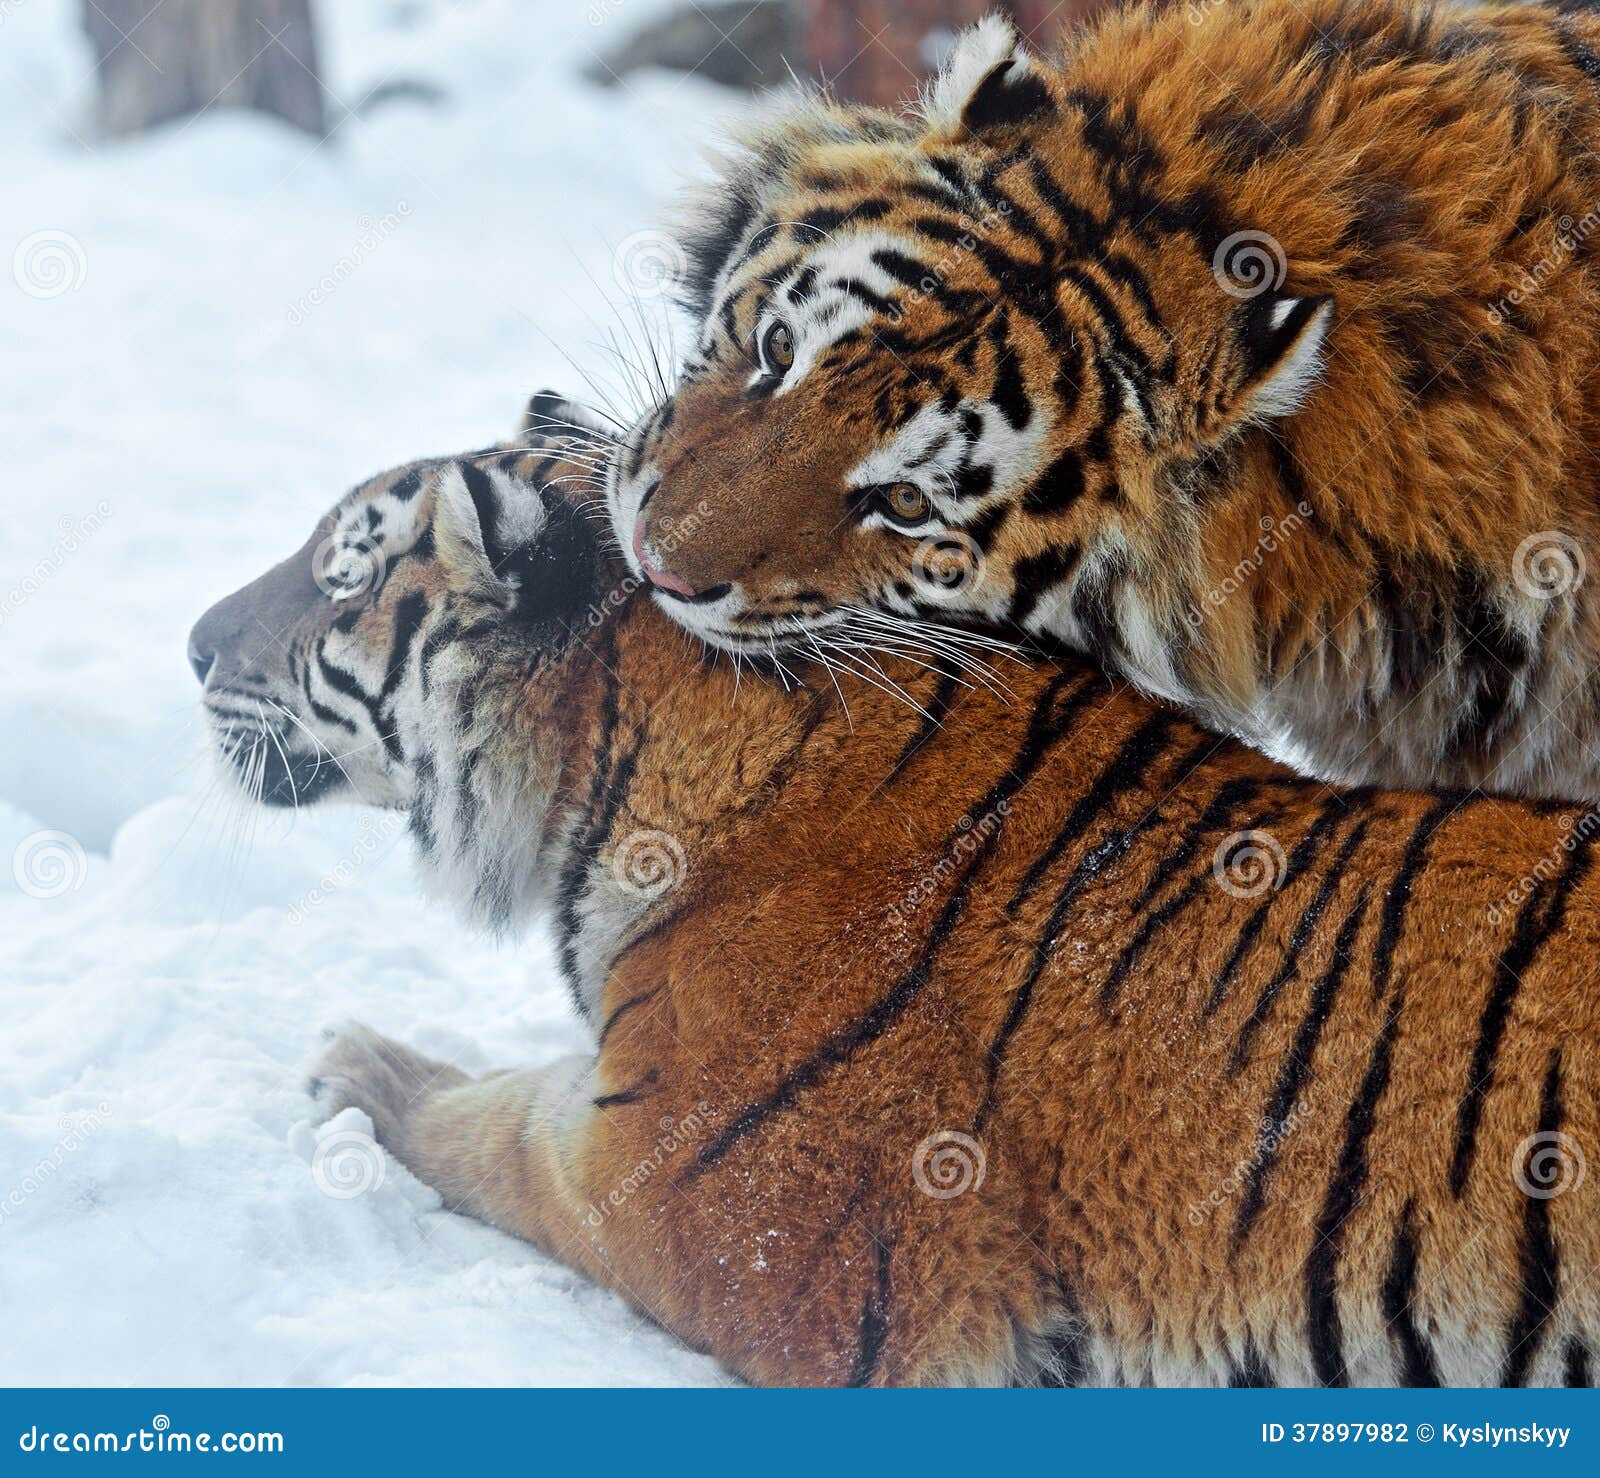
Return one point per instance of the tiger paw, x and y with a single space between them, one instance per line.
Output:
386 1080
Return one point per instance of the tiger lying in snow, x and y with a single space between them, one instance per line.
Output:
941 1054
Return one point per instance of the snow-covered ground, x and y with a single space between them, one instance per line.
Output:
207 335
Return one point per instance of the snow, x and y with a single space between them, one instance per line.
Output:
210 333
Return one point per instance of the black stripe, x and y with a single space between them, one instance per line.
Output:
572 882
1229 797
1304 854
1252 1371
1538 1258
409 613
1035 574
1398 897
1539 918
1048 722
345 684
1154 923
1294 1072
1298 942
934 714
1123 773
1399 1313
1094 863
874 1329
632 1003
1344 1192
1066 1361
1575 1363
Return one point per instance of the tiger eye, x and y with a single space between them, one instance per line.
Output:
778 346
907 501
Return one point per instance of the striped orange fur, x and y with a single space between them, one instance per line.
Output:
961 1045
1247 347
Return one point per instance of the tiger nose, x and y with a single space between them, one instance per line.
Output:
660 578
201 659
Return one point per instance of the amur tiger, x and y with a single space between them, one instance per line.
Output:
963 1052
1248 347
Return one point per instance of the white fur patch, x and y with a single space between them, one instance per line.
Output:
1284 391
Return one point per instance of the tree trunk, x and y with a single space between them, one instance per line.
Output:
181 57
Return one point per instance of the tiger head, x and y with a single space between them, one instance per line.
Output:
940 359
369 665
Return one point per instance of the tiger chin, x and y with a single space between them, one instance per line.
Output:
1060 1042
1185 349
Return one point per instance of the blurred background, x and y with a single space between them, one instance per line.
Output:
257 250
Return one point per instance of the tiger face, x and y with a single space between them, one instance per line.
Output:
359 668
939 366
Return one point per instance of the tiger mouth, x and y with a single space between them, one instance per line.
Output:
273 771
761 635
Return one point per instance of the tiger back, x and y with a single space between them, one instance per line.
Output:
1014 1035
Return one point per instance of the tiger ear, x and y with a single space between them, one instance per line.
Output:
1280 340
988 83
550 413
523 545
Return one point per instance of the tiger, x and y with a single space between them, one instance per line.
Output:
1058 1042
1244 347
